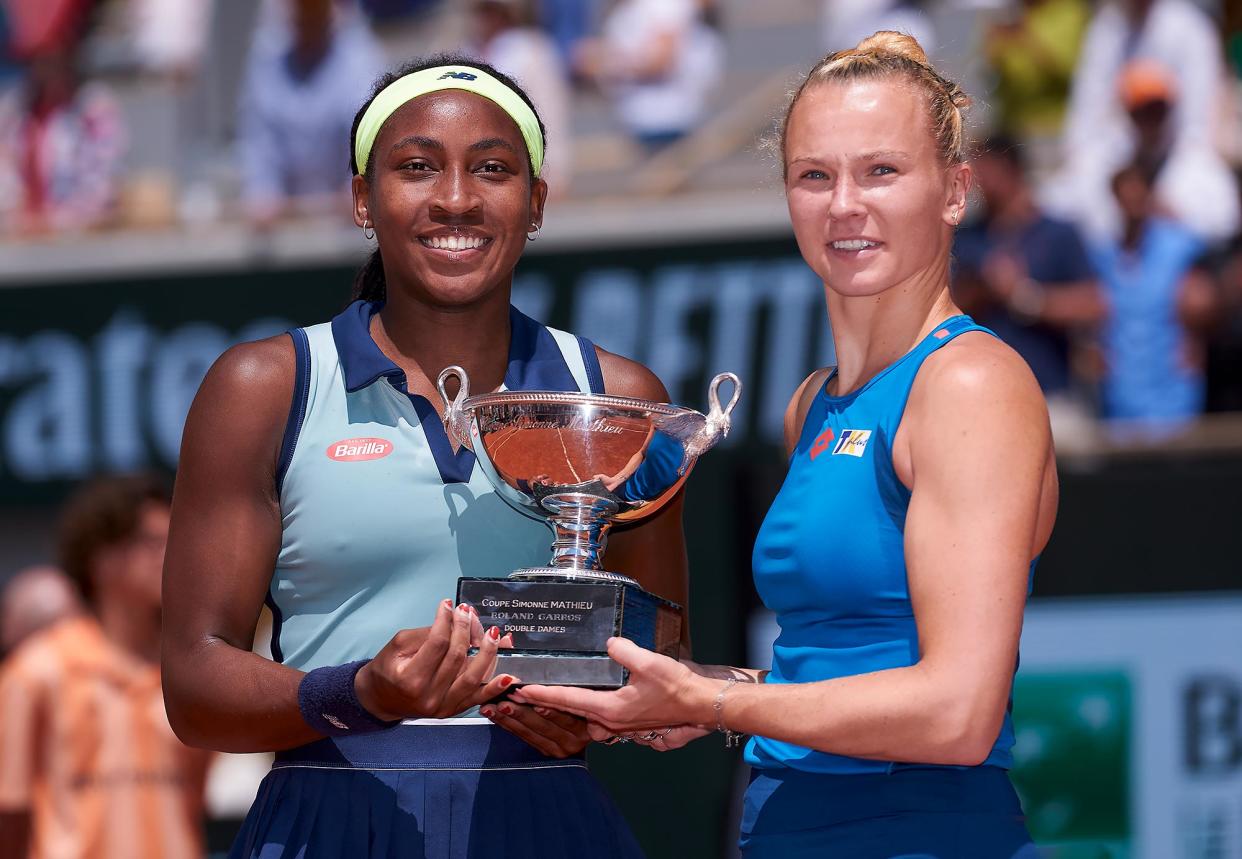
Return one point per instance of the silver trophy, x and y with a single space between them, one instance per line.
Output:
581 463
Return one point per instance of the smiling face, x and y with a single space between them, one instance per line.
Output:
450 196
872 202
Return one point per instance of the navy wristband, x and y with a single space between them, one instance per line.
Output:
330 705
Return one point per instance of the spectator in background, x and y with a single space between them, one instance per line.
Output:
1033 53
848 22
34 599
1192 181
1026 275
1160 305
503 38
91 768
302 86
658 61
568 22
61 143
170 35
1177 34
1100 135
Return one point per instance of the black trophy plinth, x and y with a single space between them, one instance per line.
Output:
560 628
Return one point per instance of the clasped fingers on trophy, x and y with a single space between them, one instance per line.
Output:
440 678
553 732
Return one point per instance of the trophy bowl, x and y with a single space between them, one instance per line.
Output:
581 463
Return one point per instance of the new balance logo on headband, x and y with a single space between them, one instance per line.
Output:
461 76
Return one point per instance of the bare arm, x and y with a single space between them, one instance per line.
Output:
975 413
222 546
1198 302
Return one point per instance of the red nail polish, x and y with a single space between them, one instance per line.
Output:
506 709
506 682
494 633
487 712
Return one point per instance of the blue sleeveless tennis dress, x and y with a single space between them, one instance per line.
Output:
379 519
830 561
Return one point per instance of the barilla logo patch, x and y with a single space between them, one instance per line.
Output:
359 449
852 442
821 443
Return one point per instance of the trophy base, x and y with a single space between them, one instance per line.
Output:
561 625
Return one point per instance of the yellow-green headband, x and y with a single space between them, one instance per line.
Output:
411 86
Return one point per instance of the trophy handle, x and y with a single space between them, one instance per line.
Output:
715 424
456 421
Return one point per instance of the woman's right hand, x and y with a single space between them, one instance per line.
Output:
426 673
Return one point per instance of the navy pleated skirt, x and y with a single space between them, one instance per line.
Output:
419 791
911 813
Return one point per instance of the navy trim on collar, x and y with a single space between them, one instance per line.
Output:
535 361
362 362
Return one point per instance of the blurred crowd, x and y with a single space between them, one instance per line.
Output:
89 766
1105 239
128 112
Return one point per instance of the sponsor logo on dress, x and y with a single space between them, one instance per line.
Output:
821 443
359 449
852 442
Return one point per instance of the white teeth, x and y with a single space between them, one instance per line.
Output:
854 245
454 243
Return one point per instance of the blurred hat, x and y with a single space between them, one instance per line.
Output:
1144 82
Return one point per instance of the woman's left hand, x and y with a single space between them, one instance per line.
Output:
556 734
660 692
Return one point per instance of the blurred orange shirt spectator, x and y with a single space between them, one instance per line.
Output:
87 751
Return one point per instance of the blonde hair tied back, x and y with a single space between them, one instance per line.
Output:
890 54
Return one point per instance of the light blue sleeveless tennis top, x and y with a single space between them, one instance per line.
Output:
830 555
379 516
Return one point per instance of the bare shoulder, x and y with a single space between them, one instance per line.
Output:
624 377
270 361
979 369
973 394
252 374
244 400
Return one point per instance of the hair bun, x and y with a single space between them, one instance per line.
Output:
897 44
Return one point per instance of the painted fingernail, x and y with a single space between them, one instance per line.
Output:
506 709
487 712
494 633
507 681
446 604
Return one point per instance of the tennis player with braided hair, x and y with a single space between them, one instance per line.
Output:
899 552
317 477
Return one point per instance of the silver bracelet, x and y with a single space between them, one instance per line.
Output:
732 738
